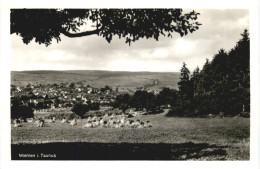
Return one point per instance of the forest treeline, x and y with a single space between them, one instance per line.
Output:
221 87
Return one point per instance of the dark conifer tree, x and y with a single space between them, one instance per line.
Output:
222 86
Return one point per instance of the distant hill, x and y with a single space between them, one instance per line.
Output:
98 78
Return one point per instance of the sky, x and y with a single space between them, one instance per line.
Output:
220 29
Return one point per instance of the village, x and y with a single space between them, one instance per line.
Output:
49 97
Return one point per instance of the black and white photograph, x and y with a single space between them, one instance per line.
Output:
130 84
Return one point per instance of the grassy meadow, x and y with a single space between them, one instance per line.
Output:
221 139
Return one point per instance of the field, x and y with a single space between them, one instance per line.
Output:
170 138
124 80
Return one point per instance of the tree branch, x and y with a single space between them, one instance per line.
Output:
73 35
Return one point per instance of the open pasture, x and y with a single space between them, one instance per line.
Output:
215 138
96 78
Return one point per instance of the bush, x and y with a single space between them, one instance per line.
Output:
80 109
94 106
21 112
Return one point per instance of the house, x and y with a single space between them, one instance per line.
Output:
149 91
107 91
156 82
79 90
36 101
156 92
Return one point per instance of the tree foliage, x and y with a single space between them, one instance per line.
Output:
106 88
94 106
149 101
132 24
167 97
222 86
122 102
80 109
20 111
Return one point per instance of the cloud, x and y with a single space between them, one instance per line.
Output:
220 29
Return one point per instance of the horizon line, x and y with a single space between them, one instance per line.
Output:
92 70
